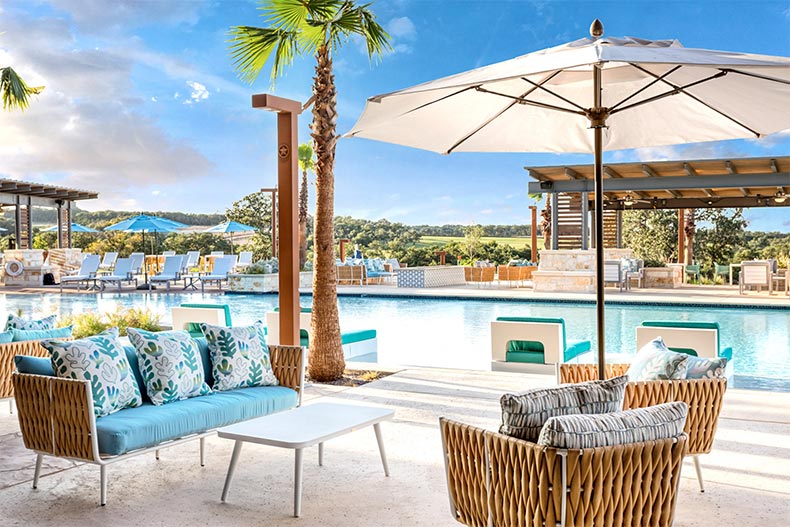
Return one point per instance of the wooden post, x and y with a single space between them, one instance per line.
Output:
555 221
534 233
681 236
585 217
287 183
343 243
60 224
442 256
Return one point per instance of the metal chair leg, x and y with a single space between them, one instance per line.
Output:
37 473
103 485
699 473
202 451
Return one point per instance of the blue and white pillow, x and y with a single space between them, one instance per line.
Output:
239 356
15 322
703 368
101 360
170 365
655 361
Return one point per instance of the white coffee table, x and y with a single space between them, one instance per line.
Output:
302 428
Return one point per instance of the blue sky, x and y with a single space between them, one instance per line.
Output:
141 103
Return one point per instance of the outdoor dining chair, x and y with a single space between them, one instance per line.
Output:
721 270
693 270
755 273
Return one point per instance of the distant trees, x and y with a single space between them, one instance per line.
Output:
255 210
652 234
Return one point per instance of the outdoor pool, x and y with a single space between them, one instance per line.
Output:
454 333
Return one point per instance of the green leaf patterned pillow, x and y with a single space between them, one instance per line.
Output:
703 368
657 362
239 356
101 360
15 322
170 365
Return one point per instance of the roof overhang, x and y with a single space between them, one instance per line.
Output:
13 191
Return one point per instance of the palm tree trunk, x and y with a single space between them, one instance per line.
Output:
326 353
303 221
690 228
545 224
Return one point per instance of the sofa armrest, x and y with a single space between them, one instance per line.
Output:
56 416
288 364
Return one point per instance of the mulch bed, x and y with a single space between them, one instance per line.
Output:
354 378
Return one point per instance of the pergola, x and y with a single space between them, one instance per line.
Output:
23 196
716 183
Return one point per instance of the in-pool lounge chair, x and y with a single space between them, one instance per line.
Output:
170 273
532 344
86 273
701 339
122 273
222 266
188 316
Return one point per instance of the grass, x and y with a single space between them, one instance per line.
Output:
519 242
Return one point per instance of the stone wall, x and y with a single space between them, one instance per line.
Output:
571 270
669 277
263 283
33 270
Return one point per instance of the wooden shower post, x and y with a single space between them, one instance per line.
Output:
343 243
442 256
287 185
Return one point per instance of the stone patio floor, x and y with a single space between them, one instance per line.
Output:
747 474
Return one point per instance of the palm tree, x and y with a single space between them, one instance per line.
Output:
305 163
545 221
690 228
319 28
15 91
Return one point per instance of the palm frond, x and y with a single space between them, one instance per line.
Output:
292 14
251 48
15 91
377 39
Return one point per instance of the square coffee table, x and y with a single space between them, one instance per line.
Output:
302 428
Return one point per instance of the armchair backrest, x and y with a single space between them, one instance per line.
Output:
756 273
703 338
612 270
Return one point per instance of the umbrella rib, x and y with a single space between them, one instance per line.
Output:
500 113
440 99
756 76
682 90
647 86
557 95
532 103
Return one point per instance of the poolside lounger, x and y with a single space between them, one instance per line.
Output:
222 266
86 273
189 316
701 339
122 273
109 260
168 253
532 343
137 262
245 260
170 273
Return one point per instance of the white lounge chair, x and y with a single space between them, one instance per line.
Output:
222 266
108 261
245 260
168 253
170 273
217 253
122 273
137 262
86 273
192 260
756 273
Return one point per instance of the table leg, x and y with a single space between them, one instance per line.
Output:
380 440
232 468
320 454
298 482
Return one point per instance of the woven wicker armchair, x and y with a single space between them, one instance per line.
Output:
703 397
496 480
56 415
479 275
7 352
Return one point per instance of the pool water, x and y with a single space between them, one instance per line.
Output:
455 333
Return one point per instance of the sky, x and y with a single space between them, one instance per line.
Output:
142 104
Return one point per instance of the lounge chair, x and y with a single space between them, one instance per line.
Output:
755 273
137 262
122 273
108 261
192 260
531 343
170 273
693 270
701 339
168 253
189 316
222 266
217 253
245 260
86 273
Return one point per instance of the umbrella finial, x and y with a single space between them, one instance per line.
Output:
596 28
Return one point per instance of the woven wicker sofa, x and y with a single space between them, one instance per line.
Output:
703 397
7 353
56 415
497 480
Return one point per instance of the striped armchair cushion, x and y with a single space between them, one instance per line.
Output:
523 415
631 426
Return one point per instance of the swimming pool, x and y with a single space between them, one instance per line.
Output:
454 333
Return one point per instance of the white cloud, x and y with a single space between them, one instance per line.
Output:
199 91
176 95
402 27
96 16
153 99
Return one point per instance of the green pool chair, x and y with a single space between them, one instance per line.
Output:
189 317
701 339
529 343
693 270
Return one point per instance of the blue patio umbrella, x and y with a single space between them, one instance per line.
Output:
230 227
75 227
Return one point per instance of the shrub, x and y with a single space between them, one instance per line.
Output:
263 267
93 323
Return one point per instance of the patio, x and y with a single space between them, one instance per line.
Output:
747 482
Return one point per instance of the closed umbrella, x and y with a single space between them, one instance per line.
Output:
230 227
75 227
586 96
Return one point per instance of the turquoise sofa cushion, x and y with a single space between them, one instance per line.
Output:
574 348
21 335
532 357
6 337
149 425
34 365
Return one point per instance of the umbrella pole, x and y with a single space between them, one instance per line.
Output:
598 117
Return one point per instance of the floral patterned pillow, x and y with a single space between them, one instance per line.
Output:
657 362
101 360
239 356
702 368
170 365
15 322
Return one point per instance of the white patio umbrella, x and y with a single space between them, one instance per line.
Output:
586 96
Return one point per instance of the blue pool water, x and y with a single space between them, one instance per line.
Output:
454 333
